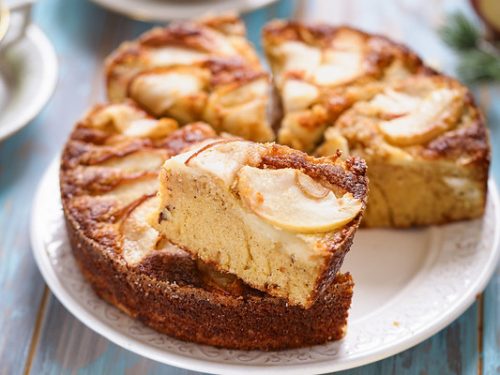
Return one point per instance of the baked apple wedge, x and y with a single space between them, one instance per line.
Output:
278 219
291 200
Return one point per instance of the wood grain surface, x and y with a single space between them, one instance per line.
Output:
38 335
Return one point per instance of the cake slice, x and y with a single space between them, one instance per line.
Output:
278 219
200 70
427 151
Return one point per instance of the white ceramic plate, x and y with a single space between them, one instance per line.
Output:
28 77
409 285
166 10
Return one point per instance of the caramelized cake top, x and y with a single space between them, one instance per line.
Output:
345 89
110 168
321 70
419 118
202 70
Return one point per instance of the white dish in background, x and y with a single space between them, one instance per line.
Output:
28 77
409 285
167 10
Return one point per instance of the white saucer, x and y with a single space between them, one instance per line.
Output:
166 10
409 285
28 77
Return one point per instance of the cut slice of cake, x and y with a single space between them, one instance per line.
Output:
202 70
277 218
427 151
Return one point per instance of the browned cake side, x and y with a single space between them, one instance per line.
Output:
155 293
106 198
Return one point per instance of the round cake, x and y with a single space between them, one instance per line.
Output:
334 92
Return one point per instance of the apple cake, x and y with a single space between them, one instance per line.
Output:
108 177
242 246
277 218
196 70
422 136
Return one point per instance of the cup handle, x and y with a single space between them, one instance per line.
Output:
24 8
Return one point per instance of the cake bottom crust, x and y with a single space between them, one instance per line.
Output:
169 300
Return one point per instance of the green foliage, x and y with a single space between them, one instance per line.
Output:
479 59
477 65
459 33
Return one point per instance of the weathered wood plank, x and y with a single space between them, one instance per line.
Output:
491 327
67 346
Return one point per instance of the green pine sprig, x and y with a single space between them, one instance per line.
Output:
479 58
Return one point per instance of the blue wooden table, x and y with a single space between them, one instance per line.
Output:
37 334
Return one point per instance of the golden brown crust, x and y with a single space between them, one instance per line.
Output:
195 34
382 61
471 141
221 37
382 49
84 174
202 70
468 139
465 140
379 51
221 71
166 289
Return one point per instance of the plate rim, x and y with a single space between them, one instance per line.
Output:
213 367
149 14
48 81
